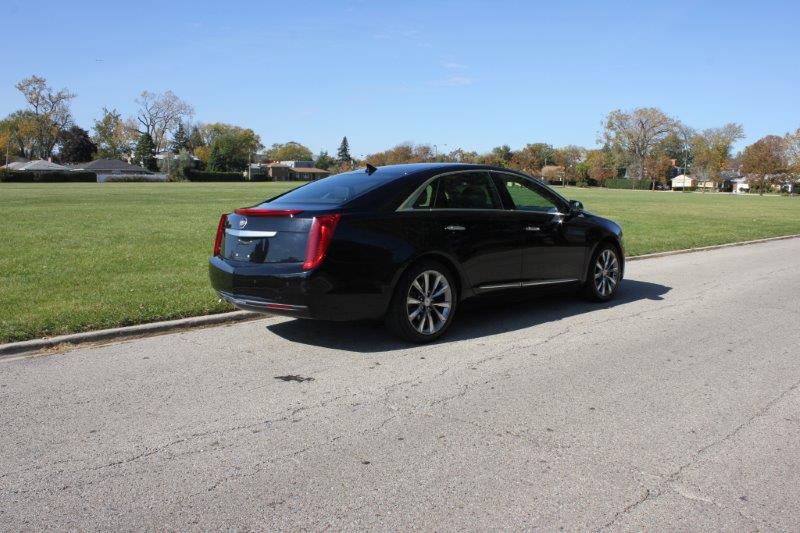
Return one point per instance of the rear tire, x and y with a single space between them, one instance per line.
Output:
424 302
604 275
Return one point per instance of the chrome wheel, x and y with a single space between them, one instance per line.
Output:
606 272
428 302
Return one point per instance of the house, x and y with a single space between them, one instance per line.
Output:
116 169
734 182
706 184
288 171
37 165
682 182
308 173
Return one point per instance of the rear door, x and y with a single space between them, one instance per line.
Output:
469 217
554 244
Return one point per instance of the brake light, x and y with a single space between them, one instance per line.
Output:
319 237
223 221
252 212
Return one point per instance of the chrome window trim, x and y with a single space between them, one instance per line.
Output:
406 206
249 234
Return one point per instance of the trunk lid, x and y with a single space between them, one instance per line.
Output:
265 237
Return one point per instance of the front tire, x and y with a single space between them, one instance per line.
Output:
424 302
605 274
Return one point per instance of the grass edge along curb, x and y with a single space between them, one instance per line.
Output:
167 326
707 248
125 332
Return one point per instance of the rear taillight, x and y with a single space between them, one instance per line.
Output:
319 237
223 221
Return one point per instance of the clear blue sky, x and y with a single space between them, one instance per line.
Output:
471 74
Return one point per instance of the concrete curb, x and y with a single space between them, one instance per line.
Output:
167 326
127 332
707 248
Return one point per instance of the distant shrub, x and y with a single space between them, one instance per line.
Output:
195 175
60 176
622 183
134 178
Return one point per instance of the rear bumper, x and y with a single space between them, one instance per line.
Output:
259 305
285 289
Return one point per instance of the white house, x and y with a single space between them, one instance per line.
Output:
739 185
682 181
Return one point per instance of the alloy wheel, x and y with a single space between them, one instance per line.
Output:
428 302
606 272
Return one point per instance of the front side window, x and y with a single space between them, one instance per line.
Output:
525 195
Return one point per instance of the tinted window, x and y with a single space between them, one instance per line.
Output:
424 199
465 190
526 195
335 190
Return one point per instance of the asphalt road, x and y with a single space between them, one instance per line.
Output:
675 407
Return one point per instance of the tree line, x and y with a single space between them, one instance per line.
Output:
644 143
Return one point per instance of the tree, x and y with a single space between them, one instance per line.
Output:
112 137
226 155
533 157
195 138
792 145
711 151
145 152
160 114
18 132
324 161
229 148
76 146
344 151
600 165
51 109
403 153
765 158
180 139
568 157
290 151
637 132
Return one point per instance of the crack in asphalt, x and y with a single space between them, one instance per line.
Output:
671 480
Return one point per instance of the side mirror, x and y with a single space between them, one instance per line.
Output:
575 206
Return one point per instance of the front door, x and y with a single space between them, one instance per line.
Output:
554 246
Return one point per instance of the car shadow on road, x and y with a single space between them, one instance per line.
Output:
477 317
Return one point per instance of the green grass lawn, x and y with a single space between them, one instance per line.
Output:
89 256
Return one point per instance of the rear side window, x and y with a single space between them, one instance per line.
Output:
465 190
335 190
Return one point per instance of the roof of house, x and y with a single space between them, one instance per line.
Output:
39 165
110 165
310 170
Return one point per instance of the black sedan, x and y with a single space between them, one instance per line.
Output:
408 244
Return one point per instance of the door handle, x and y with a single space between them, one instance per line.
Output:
452 227
533 228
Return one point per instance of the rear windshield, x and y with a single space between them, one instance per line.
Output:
335 190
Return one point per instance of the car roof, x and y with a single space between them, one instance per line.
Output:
393 172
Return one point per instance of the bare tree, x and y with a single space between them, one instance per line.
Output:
160 114
792 141
636 132
51 109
